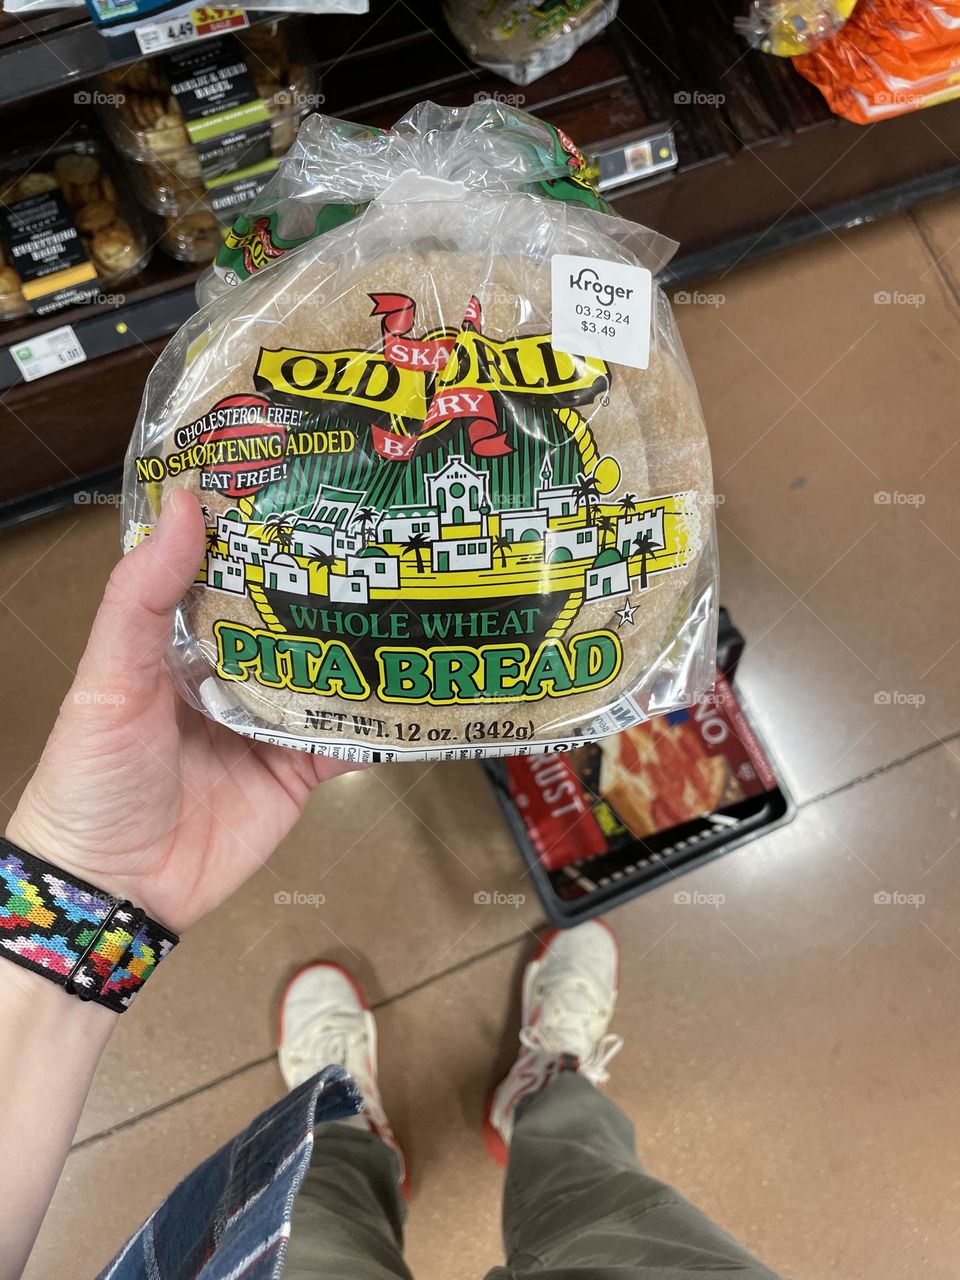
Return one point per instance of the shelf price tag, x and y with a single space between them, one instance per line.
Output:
47 353
186 28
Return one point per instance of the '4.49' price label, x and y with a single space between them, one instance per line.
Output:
185 28
601 309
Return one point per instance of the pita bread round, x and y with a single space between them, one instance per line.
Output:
429 529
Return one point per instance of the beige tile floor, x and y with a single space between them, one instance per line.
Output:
792 1055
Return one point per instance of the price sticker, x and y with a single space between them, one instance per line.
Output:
601 309
48 353
198 24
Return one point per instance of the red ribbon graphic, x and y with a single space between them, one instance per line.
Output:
465 404
261 230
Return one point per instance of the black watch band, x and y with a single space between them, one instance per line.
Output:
95 946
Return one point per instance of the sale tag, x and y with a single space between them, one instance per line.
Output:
48 353
601 309
198 24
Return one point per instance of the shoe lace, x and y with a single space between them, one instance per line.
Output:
333 1039
571 1017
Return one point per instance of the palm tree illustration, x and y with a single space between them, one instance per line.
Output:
647 547
279 529
322 560
502 544
416 544
587 493
366 518
608 527
628 504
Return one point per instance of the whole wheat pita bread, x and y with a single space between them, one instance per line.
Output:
648 421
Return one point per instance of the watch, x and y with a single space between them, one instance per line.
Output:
96 946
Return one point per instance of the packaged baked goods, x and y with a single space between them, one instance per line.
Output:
522 40
66 231
787 28
893 56
191 237
451 457
210 108
161 190
314 188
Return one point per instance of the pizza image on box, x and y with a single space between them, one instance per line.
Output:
647 779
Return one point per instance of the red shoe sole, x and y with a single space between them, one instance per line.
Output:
497 1149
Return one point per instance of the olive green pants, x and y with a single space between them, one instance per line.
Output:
577 1205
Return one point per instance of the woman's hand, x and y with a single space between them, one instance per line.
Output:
137 792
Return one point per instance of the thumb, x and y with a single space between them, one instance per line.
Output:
134 621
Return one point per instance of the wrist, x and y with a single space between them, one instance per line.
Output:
30 999
65 931
28 831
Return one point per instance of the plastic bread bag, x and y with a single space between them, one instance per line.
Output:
788 28
452 462
317 188
522 40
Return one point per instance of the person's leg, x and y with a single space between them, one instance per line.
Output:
348 1215
577 1202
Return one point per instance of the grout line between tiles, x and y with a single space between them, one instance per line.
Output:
94 1138
880 769
461 965
244 1067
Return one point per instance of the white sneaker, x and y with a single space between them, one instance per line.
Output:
325 1020
569 991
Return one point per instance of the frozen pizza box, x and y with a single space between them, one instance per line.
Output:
611 819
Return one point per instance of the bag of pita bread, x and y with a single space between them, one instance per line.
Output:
451 457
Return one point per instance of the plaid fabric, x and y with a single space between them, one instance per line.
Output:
48 922
230 1218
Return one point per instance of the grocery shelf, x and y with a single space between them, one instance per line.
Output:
153 306
755 162
45 51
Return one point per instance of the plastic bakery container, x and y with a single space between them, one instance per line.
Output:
210 108
191 237
68 230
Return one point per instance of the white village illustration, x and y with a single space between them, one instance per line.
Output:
457 544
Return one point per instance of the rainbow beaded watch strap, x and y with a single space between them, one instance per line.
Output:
95 946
